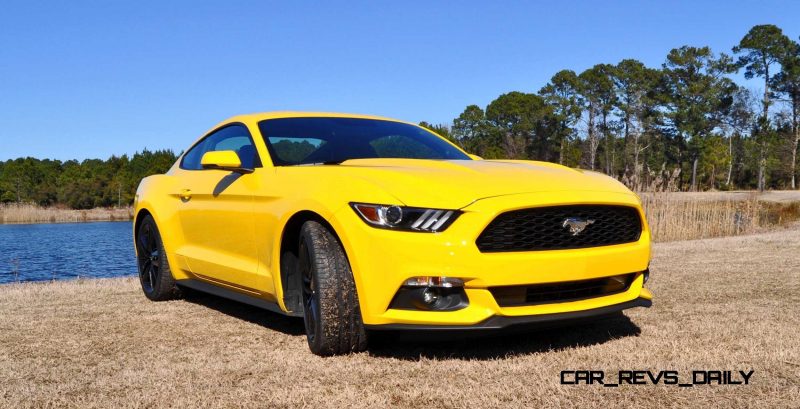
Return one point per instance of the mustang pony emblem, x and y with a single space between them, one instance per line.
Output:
576 225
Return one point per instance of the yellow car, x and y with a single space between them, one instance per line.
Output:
361 223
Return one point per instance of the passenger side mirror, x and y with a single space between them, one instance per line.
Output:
223 160
474 157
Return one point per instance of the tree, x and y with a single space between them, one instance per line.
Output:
761 48
697 97
597 88
473 133
633 82
441 130
787 87
520 119
7 197
739 122
563 96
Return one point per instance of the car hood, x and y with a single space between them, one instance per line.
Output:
458 183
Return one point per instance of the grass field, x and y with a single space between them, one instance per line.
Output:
729 304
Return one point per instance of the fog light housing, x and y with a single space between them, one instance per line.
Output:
431 294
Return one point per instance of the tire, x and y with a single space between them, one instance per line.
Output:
155 275
330 303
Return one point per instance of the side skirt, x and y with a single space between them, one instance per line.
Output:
212 289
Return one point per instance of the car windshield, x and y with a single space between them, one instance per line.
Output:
321 140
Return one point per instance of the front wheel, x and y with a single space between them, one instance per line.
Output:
154 272
330 302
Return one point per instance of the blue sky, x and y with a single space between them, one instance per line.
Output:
83 79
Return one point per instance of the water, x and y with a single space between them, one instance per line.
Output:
39 252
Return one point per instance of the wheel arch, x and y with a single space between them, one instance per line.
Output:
289 246
169 230
137 219
137 222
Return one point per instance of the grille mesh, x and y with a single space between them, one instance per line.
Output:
542 228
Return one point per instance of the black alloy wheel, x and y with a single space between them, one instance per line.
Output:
155 274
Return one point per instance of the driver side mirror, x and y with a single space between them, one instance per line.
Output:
223 160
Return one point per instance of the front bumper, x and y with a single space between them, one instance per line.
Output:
499 322
382 260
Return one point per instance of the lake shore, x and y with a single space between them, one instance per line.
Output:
27 213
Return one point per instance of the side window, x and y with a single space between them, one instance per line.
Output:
230 138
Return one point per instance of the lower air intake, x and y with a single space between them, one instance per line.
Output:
521 295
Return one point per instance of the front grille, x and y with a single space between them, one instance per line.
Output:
519 295
542 228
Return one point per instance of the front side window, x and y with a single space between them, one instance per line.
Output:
230 138
303 141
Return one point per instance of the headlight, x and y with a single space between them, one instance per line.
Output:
405 218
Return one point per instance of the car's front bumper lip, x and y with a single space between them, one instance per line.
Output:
498 322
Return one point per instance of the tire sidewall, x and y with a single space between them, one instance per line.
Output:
339 328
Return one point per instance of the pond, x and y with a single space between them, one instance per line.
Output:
39 252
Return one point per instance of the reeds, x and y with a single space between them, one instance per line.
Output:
31 213
676 216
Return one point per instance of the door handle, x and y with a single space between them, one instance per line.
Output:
186 195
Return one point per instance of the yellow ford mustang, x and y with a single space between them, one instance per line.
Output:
360 223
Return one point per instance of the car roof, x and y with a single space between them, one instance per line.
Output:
260 116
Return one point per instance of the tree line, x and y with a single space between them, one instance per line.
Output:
683 126
80 185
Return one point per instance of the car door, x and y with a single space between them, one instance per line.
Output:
216 211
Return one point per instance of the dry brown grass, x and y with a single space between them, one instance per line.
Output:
730 303
31 213
685 216
778 196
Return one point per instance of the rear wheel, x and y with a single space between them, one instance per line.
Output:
330 302
155 275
